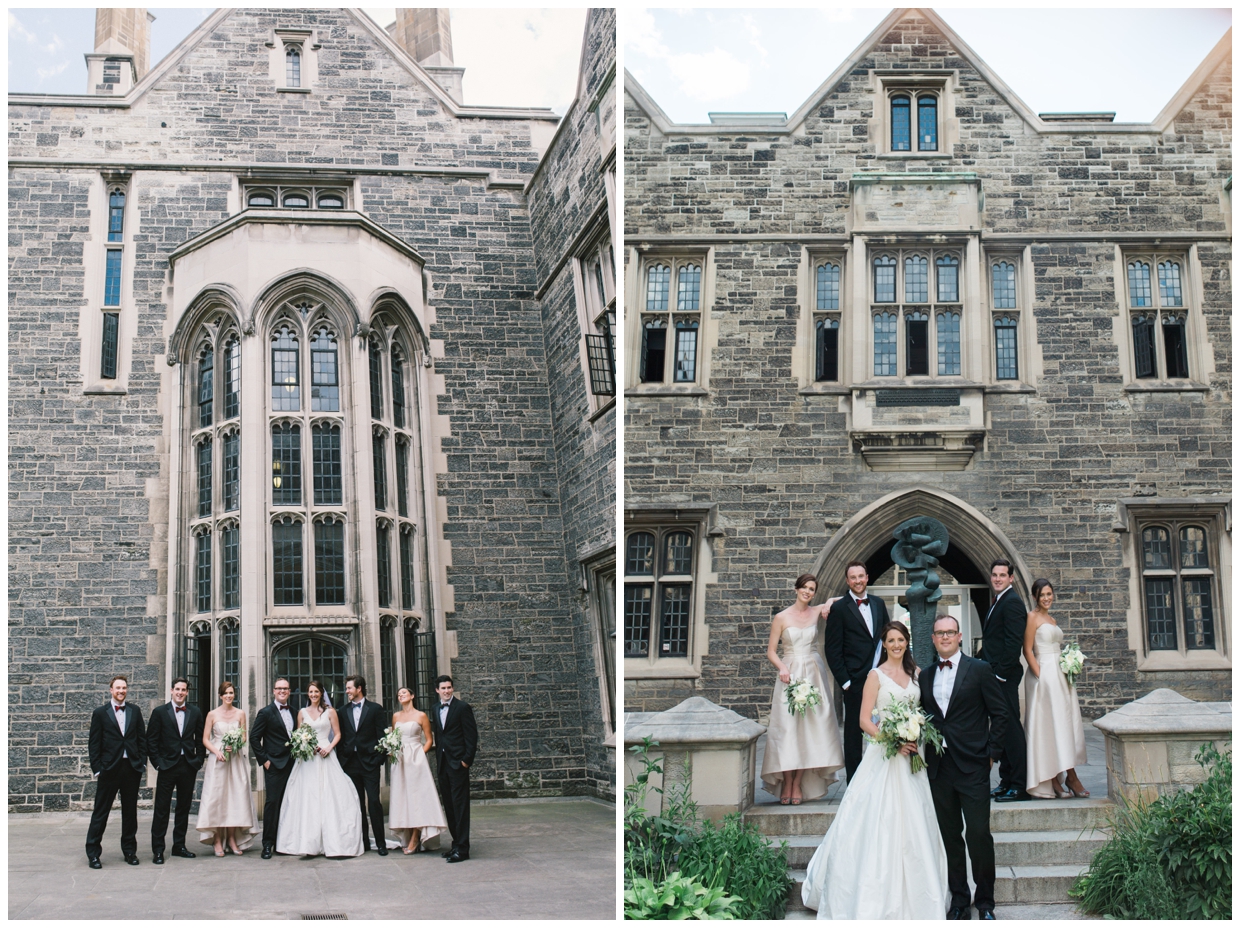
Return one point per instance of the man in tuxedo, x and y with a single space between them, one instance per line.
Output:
117 750
1003 637
361 726
456 742
174 740
269 734
963 698
851 644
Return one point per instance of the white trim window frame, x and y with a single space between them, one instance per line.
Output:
662 595
671 294
107 321
594 287
285 43
828 303
917 317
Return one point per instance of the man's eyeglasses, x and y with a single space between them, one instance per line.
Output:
946 634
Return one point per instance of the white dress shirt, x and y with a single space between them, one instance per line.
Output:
180 717
443 713
286 715
357 712
120 720
944 680
869 623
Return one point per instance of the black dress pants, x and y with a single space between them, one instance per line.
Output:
454 793
955 795
274 781
180 778
367 784
121 779
1012 761
853 748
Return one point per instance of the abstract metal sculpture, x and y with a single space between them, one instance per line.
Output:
920 542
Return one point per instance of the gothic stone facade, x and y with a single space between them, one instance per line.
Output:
917 297
345 229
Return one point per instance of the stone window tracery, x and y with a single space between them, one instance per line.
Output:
1158 316
922 289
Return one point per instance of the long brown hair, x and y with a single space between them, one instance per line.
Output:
908 664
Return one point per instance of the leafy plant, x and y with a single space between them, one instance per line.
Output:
1170 858
753 868
677 897
653 843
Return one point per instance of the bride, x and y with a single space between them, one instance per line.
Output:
882 857
320 814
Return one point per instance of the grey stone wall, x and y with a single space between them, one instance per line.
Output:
778 466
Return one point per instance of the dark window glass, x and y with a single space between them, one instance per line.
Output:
884 344
232 471
1143 345
329 562
379 449
900 134
884 279
1005 349
261 199
285 372
312 659
112 71
1139 293
324 373
230 646
331 201
286 562
383 561
654 350
1198 614
689 288
658 282
1003 285
328 473
827 366
116 216
1175 348
917 346
204 478
286 464
204 571
107 364
1156 545
637 606
639 557
828 286
232 378
402 477
406 568
1170 292
292 68
947 270
916 279
678 555
927 123
1193 552
387 656
1160 613
674 637
686 350
398 389
230 556
112 279
206 387
601 357
948 328
376 381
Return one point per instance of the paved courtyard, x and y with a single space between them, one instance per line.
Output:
545 859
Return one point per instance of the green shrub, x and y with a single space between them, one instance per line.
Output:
1170 858
677 897
753 868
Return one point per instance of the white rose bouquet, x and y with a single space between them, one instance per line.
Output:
390 744
802 695
232 742
303 742
902 721
1071 662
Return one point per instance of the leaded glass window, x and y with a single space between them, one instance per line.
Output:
916 279
376 380
286 562
900 122
827 314
1158 318
383 564
658 592
1178 582
232 378
329 562
232 471
948 326
398 388
324 373
406 567
927 123
379 448
230 562
292 66
285 371
402 478
387 657
112 278
947 275
286 464
230 654
1005 348
929 317
116 216
107 364
204 478
885 344
203 571
328 470
664 321
1003 285
206 387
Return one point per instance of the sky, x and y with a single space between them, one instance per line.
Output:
1130 61
46 49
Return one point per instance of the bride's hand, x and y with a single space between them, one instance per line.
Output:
908 749
785 676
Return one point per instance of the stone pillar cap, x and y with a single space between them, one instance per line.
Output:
697 720
1166 712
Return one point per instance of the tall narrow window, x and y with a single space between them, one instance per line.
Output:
827 349
947 274
232 378
671 330
286 557
658 592
900 123
379 448
1005 348
116 216
1158 318
328 473
402 478
230 654
1003 285
678 561
916 279
927 123
1003 297
324 376
232 471
917 351
107 363
398 388
948 327
885 344
383 565
387 656
203 577
329 562
929 319
204 478
884 279
638 593
112 278
292 66
376 380
286 464
406 567
206 387
285 371
230 562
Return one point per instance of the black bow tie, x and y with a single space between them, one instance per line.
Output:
945 665
862 602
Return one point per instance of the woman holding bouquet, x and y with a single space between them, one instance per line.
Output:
226 811
1054 733
320 814
883 856
416 815
803 748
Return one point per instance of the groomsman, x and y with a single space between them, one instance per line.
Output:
117 750
850 641
361 726
269 736
456 742
174 739
1003 636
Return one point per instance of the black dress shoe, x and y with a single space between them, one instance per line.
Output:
94 863
1013 795
183 852
132 860
381 851
448 852
986 914
266 852
159 857
955 913
457 856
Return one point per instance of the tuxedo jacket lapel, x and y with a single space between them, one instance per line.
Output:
856 613
961 672
934 703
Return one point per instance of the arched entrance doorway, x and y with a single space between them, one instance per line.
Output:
304 659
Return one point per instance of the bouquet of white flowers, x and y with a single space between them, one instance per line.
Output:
1071 661
232 742
390 743
802 695
303 743
902 722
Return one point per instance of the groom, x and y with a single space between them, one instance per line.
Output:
966 705
361 726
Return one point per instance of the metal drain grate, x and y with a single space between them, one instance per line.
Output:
330 915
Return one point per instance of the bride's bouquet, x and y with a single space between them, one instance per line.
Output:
802 695
303 743
232 742
390 743
1071 661
903 721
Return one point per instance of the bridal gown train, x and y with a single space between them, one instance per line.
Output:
1054 733
414 798
883 856
320 814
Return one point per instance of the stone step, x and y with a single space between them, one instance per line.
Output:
1012 848
813 818
1044 911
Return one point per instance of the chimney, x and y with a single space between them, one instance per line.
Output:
427 36
122 53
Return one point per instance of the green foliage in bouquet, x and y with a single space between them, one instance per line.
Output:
303 742
1170 858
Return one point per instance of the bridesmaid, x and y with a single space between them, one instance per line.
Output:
1054 734
802 751
416 815
226 810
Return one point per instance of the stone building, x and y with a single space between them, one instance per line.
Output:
915 296
300 385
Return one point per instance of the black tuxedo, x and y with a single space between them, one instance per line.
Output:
850 648
1003 638
118 761
269 742
177 753
361 761
456 743
973 732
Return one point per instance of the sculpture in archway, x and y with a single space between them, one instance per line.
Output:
920 542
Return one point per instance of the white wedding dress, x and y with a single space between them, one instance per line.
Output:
320 813
882 857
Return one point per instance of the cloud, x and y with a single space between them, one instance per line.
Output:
755 36
20 31
45 73
713 75
642 36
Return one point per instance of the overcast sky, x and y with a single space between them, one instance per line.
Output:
512 57
1126 61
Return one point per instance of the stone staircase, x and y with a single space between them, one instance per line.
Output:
1041 846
